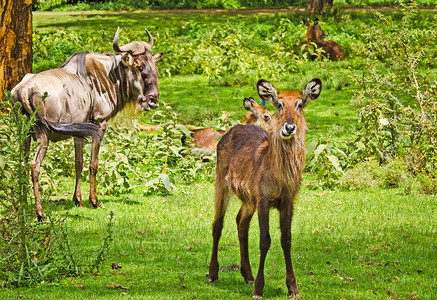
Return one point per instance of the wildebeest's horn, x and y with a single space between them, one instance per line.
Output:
134 48
150 39
115 42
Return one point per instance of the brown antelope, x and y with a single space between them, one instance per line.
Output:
264 169
316 35
205 139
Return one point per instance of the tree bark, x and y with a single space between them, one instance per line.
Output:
15 42
315 7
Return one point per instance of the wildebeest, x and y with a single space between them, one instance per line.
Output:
78 98
264 169
315 35
205 139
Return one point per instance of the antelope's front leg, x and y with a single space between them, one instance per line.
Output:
94 166
286 214
78 162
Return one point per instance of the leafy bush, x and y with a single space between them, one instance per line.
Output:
362 175
398 98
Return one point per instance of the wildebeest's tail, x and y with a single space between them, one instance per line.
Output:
80 130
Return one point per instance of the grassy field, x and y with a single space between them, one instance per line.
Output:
364 244
369 244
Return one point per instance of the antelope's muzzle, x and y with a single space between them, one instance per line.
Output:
288 130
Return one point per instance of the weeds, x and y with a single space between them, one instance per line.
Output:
32 253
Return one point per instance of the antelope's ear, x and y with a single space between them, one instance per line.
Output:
267 91
157 56
311 91
248 103
306 23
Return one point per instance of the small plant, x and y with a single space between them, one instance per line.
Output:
327 161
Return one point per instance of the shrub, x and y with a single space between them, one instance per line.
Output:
398 97
361 176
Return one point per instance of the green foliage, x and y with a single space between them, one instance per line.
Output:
398 95
327 161
27 249
32 253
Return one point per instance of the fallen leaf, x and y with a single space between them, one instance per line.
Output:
117 286
233 267
414 296
79 286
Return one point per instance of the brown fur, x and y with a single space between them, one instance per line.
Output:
315 34
205 139
264 169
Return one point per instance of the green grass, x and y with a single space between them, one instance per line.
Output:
370 244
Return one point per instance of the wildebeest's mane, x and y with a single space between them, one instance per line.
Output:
80 62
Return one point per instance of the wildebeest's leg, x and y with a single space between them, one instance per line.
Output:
264 245
243 222
94 166
221 203
78 163
35 169
286 214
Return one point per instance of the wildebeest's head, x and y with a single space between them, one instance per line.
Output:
314 32
138 57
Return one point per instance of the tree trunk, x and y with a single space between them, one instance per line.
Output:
315 7
15 42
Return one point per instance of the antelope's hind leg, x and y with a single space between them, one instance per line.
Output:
243 223
221 204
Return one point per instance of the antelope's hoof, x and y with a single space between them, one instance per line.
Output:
294 296
95 205
212 281
40 218
256 297
79 203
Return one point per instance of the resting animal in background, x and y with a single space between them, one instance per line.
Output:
315 34
264 169
82 95
205 139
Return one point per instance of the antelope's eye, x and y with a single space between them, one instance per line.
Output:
299 105
280 106
266 117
